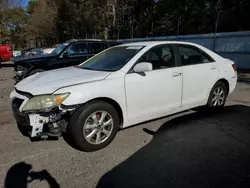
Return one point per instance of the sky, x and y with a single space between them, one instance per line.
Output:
24 3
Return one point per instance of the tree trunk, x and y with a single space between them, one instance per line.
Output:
105 33
114 12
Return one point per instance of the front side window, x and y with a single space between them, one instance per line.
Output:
161 57
191 56
112 59
59 49
77 49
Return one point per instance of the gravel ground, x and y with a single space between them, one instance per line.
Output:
186 150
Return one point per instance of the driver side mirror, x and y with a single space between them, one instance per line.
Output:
143 67
65 55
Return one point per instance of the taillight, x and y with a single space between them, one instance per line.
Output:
234 66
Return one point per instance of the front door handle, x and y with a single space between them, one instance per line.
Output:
175 74
213 68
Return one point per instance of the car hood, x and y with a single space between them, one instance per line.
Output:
49 81
33 58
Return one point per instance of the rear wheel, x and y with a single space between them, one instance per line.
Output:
218 96
93 126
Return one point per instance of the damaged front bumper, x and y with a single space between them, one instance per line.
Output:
44 125
39 124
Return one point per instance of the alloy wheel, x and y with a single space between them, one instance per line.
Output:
98 127
218 97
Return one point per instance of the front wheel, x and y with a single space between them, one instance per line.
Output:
218 96
93 126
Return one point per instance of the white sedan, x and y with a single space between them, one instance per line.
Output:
119 87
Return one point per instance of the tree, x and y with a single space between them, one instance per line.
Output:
14 22
31 6
55 21
42 23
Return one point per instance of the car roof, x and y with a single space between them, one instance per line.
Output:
153 43
150 44
91 40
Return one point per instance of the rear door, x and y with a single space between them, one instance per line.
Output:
200 73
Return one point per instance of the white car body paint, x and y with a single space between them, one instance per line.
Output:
49 81
144 93
141 98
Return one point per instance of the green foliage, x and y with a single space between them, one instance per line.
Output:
13 23
31 6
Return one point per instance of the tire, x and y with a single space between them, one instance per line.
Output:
35 71
221 99
78 132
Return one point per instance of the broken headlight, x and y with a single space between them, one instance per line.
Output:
44 102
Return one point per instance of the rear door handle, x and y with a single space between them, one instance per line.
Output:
175 74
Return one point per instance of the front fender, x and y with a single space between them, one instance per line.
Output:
108 88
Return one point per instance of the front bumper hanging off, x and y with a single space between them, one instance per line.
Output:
37 123
41 124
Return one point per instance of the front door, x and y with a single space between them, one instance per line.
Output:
155 93
76 53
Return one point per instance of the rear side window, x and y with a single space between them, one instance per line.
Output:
206 58
190 56
105 45
95 48
113 44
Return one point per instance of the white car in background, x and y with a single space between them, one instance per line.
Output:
119 87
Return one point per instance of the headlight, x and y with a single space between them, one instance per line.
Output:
45 102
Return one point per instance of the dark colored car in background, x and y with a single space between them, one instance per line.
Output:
29 52
6 53
70 53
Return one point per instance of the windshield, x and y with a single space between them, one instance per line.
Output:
59 49
112 59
